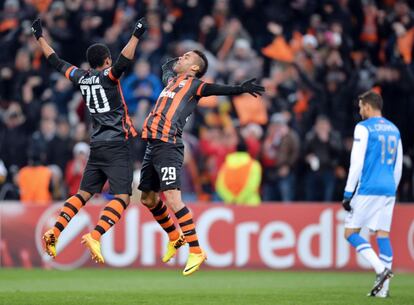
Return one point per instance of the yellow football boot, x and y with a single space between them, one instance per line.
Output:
172 247
193 262
94 247
50 242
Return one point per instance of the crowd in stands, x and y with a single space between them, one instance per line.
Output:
291 144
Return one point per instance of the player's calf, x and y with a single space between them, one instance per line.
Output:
364 248
110 215
70 208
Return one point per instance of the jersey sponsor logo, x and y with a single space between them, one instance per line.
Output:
89 81
167 94
182 83
169 182
106 71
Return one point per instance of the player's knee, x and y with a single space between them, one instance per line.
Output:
346 234
84 195
147 200
124 198
349 232
381 233
173 200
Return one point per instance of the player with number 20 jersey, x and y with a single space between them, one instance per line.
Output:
110 157
103 96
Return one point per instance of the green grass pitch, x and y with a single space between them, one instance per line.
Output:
169 287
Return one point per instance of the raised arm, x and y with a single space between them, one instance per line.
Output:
50 54
128 52
246 87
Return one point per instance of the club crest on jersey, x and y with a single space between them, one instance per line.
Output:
182 83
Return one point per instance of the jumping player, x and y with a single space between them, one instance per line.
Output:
161 168
374 175
110 157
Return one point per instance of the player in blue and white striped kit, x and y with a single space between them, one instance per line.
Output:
369 197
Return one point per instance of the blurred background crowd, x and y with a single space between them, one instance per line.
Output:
292 144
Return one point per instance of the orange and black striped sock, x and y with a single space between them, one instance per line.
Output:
110 215
162 216
69 209
185 219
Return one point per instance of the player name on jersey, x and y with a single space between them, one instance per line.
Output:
89 81
381 127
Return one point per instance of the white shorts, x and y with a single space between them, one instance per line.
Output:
373 212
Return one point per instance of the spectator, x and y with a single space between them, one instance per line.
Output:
3 172
60 148
227 36
141 84
279 156
190 176
35 179
322 151
45 138
3 177
62 93
75 167
239 178
242 62
14 137
252 135
215 145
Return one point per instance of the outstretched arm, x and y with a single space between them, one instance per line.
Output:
246 87
127 54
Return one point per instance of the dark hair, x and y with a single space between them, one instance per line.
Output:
372 98
96 55
203 64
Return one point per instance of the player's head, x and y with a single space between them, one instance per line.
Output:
194 62
98 56
370 104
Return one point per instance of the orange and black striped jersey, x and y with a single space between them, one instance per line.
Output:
174 106
102 94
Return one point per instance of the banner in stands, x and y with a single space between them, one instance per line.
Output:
275 236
